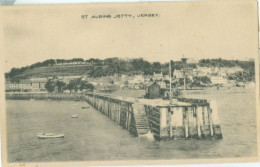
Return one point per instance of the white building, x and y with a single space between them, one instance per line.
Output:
157 77
218 80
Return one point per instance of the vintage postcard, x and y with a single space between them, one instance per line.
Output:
129 83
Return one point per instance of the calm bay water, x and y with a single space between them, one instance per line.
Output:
93 136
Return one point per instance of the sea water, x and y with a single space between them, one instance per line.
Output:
93 136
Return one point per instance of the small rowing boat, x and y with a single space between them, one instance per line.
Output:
75 116
50 135
85 107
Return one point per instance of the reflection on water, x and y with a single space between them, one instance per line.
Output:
93 136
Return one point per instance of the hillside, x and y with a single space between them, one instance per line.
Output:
54 71
111 66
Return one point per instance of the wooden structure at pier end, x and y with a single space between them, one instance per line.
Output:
180 118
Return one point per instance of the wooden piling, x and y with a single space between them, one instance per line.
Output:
186 125
198 122
170 122
210 121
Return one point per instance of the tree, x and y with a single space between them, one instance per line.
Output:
74 85
167 81
61 86
50 85
90 87
156 67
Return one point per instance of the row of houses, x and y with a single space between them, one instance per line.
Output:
26 86
35 84
73 63
217 75
208 71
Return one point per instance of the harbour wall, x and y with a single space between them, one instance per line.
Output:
44 96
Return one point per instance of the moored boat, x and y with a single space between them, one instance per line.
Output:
50 135
75 116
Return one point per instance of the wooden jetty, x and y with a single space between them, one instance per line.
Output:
180 118
187 118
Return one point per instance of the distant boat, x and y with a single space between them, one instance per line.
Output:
75 116
75 104
50 135
85 107
107 90
197 88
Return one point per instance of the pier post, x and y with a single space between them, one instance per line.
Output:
129 117
198 122
170 121
210 121
186 125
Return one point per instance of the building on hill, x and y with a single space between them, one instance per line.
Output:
178 74
216 80
162 84
73 63
203 71
192 61
157 77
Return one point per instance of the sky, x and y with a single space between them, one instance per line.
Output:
35 34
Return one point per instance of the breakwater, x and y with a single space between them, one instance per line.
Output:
44 96
180 118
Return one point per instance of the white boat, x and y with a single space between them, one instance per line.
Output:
50 135
75 116
75 104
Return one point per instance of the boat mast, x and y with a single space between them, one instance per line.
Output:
170 75
184 61
170 97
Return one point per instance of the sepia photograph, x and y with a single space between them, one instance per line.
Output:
129 83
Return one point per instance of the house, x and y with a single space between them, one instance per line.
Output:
178 74
192 61
152 91
162 84
203 71
218 80
26 86
157 77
